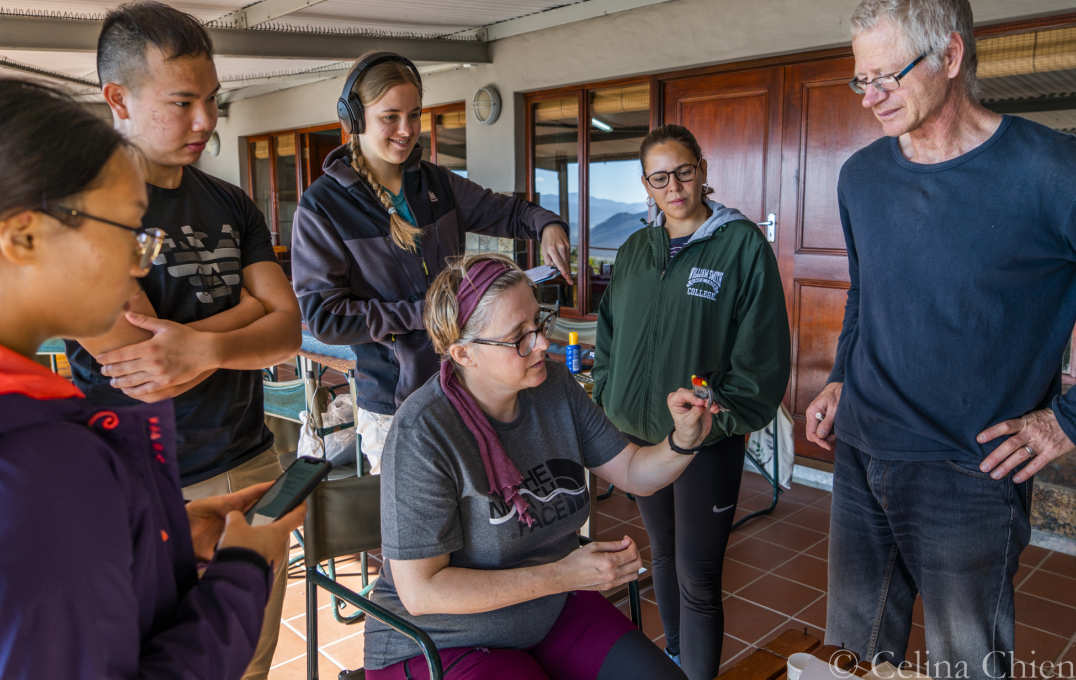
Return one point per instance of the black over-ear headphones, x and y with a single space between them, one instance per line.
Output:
348 107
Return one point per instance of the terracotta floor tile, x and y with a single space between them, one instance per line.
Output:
1060 563
1036 646
754 483
815 614
805 569
747 620
1022 572
600 522
1047 584
917 645
804 495
735 575
759 553
294 599
811 517
1045 615
296 670
791 536
329 629
731 648
347 652
783 595
618 505
752 502
751 526
289 645
652 627
917 611
820 549
1069 656
617 531
1033 555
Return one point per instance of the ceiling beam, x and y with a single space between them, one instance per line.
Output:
263 12
578 11
49 33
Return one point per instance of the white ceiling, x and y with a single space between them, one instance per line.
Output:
438 24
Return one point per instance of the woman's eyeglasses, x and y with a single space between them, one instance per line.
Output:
684 173
527 342
149 239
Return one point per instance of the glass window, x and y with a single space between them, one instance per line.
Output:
619 120
556 169
425 138
451 132
287 181
261 189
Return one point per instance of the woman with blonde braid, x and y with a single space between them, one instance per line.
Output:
373 231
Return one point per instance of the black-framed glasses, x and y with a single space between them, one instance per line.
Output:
149 239
527 342
685 173
886 83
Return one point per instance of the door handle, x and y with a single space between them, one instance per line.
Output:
771 227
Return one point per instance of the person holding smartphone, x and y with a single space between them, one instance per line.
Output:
373 231
98 575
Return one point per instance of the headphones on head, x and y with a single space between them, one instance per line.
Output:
349 108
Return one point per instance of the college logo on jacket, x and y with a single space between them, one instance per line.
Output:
704 283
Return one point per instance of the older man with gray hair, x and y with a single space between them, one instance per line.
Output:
960 226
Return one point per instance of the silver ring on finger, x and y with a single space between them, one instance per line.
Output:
818 416
1030 451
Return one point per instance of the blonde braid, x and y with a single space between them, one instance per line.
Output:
403 233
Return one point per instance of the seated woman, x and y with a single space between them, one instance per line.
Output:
483 494
97 572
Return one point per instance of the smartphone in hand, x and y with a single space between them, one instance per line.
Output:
289 489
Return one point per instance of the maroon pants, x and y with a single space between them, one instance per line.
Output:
574 649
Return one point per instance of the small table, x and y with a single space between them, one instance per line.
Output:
770 661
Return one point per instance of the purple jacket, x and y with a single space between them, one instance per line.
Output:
97 570
356 287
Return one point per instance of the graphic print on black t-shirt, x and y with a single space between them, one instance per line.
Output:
555 489
211 274
212 231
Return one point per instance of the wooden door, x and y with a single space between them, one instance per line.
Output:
824 124
737 119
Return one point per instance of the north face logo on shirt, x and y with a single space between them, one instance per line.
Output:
210 273
704 283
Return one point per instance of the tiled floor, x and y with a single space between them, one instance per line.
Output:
775 578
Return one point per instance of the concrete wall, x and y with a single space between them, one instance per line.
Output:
669 36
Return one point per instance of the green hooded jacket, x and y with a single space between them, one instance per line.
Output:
716 310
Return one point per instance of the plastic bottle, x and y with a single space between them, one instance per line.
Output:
571 352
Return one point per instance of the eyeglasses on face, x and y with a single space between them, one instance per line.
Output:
529 340
149 239
685 173
886 83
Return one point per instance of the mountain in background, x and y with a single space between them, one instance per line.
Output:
611 221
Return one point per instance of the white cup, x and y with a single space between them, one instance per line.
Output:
797 663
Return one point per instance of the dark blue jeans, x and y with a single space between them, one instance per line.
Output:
939 528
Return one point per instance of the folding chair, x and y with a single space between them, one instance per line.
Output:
343 517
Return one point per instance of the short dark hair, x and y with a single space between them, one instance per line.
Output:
129 29
53 147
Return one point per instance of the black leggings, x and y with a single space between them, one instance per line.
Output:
633 656
689 523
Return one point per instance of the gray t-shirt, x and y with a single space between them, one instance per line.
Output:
434 500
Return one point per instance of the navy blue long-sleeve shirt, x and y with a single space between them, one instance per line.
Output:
963 292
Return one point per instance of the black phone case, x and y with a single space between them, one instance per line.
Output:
307 489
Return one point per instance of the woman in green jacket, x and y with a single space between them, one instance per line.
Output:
697 292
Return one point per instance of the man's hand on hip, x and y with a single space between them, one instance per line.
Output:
174 355
1036 437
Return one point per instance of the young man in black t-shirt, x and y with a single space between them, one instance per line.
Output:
216 307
